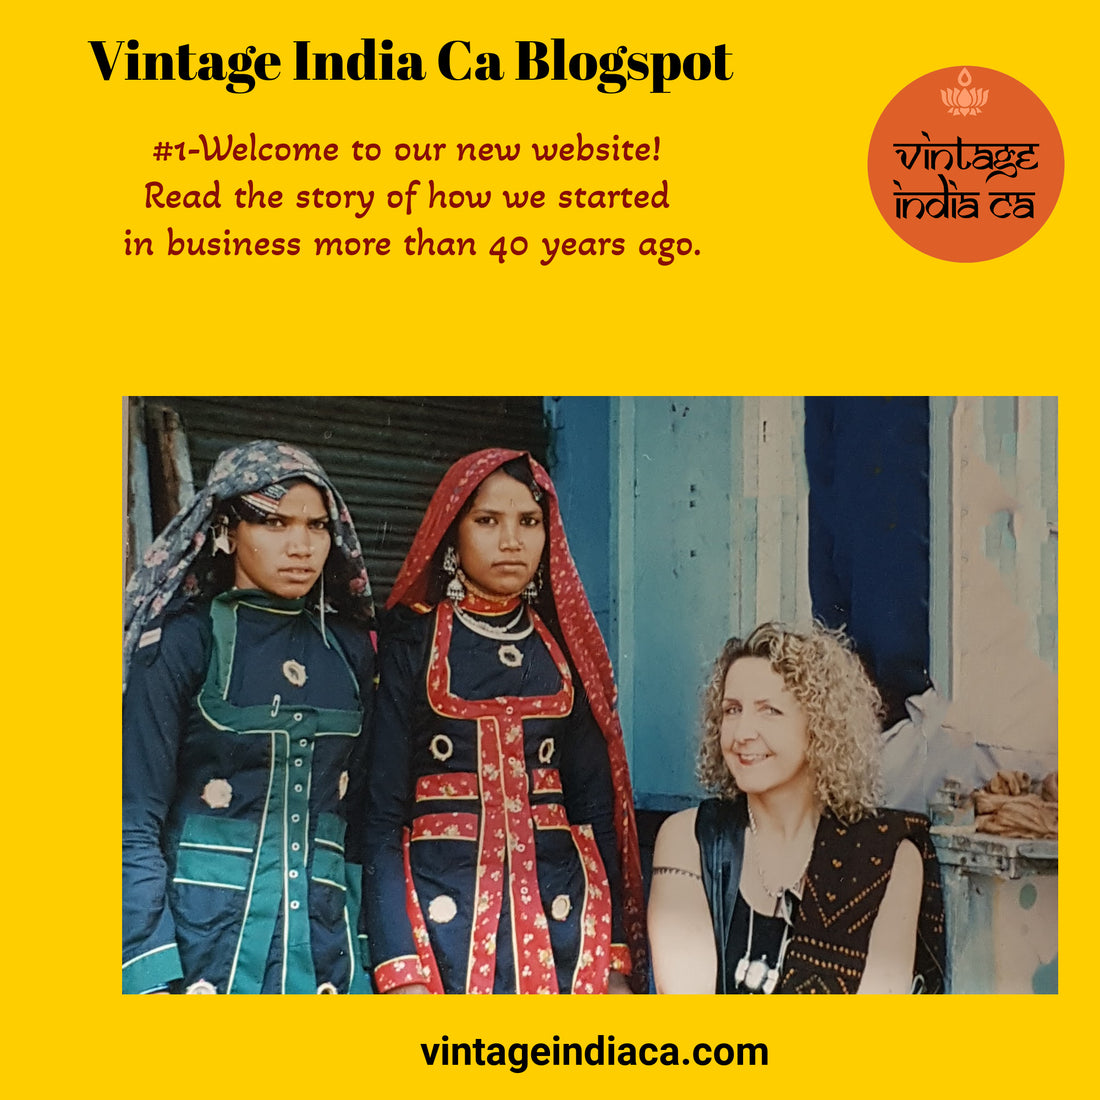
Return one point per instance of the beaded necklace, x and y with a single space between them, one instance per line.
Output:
755 974
508 654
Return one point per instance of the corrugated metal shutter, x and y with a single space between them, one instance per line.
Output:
385 454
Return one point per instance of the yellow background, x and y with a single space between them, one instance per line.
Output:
800 287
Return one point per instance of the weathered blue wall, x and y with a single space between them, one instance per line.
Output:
580 461
686 516
678 570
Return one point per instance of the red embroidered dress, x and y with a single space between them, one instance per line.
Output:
501 849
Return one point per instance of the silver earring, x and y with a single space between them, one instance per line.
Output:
221 538
324 635
456 590
534 585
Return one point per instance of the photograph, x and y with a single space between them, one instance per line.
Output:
878 732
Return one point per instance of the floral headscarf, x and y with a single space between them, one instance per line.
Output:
582 638
166 570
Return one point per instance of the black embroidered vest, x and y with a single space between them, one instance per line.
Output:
845 883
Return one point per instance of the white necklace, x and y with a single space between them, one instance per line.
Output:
508 654
488 630
756 975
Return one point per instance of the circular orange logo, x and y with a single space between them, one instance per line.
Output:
965 164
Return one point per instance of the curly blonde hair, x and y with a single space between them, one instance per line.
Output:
842 707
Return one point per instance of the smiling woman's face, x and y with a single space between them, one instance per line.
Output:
285 554
501 538
765 736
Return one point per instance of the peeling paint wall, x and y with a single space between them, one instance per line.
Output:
1002 933
1004 687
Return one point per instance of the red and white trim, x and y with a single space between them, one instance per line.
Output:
453 826
550 816
620 958
594 956
448 785
506 837
545 781
418 969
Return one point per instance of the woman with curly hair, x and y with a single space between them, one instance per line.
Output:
790 880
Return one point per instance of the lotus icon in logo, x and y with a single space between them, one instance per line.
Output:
964 100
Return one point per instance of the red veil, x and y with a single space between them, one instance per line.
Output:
582 639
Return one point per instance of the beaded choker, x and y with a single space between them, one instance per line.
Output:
481 604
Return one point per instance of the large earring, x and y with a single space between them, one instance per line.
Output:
221 538
324 635
534 586
456 590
